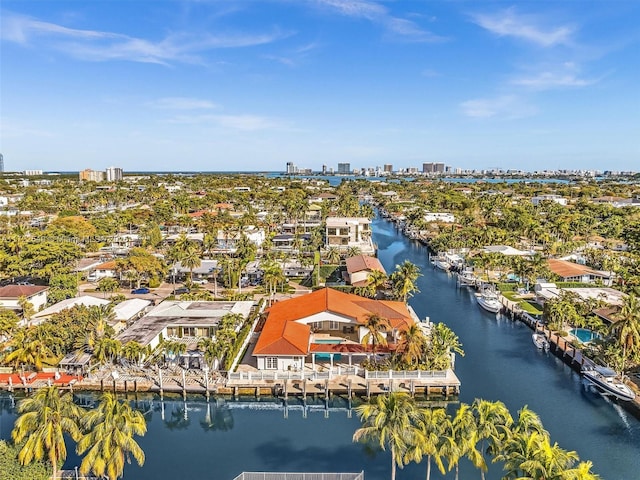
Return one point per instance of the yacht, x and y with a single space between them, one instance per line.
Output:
488 300
606 380
466 277
540 341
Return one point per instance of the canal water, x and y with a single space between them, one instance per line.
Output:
196 440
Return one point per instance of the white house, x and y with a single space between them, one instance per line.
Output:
346 232
10 296
548 197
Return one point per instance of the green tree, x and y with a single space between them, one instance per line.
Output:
427 439
44 420
377 328
404 280
389 422
108 285
627 328
110 441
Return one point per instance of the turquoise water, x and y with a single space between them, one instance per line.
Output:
584 334
325 356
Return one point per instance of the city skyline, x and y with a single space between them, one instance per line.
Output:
228 86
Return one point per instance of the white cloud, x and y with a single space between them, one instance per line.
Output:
182 103
548 80
508 107
379 14
509 23
103 46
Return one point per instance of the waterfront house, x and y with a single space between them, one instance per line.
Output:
324 326
573 272
360 267
185 321
10 296
346 232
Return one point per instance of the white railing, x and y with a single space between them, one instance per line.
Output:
404 374
299 476
262 375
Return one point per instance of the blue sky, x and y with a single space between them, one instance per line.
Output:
251 85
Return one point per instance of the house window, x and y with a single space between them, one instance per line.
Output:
333 325
331 231
202 332
271 363
172 331
189 331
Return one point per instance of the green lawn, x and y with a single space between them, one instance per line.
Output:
523 304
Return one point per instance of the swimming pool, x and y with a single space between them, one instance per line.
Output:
584 334
327 356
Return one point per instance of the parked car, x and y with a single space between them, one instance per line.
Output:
140 291
180 290
199 281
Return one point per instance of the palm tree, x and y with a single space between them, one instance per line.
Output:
428 439
412 345
211 351
627 328
377 328
389 421
27 308
190 258
45 419
332 254
134 351
404 279
108 285
109 441
106 349
376 280
492 423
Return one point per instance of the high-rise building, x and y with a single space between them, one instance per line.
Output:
388 168
89 175
1 163
324 169
433 168
344 168
114 174
291 168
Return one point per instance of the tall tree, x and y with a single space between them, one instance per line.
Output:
404 280
44 420
388 421
110 439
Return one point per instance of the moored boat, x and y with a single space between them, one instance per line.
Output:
488 300
607 380
466 277
540 341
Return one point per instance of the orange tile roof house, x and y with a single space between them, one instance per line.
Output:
574 272
323 325
359 268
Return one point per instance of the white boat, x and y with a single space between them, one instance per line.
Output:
488 300
442 264
466 277
607 380
540 341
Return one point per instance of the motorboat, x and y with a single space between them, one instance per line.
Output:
489 300
606 380
466 277
540 341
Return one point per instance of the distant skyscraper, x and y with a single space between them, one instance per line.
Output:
388 168
324 169
344 168
1 163
89 175
114 174
291 168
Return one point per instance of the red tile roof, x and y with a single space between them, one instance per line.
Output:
283 335
364 262
110 265
17 291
